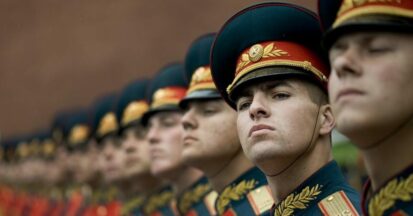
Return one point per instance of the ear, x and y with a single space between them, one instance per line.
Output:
327 120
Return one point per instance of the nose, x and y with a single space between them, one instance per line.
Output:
128 144
346 63
259 107
108 152
188 121
153 135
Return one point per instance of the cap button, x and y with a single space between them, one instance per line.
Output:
256 52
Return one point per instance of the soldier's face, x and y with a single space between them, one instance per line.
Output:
165 139
370 86
85 165
136 148
210 134
276 121
111 159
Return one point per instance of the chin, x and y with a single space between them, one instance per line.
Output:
135 171
355 125
258 149
160 169
190 157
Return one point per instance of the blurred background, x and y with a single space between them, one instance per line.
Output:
60 54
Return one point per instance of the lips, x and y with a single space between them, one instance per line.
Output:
259 127
132 161
111 169
155 153
189 139
348 92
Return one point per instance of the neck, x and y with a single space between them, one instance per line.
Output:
228 172
285 183
185 178
381 164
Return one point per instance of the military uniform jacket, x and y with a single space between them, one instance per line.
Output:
198 200
394 198
247 195
161 203
324 193
133 206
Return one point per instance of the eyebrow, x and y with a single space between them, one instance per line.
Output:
264 87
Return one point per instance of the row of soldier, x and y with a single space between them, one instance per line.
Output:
243 127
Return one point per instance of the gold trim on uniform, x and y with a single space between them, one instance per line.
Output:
297 201
256 52
284 54
235 193
157 200
192 196
134 111
353 8
78 134
107 124
132 204
23 150
49 147
168 95
306 65
386 198
337 204
201 79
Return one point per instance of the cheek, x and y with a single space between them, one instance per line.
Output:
243 125
295 119
333 85
172 143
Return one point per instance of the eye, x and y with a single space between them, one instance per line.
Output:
377 49
117 143
243 105
377 46
280 95
208 110
140 133
168 122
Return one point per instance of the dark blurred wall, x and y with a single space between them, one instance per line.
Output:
57 54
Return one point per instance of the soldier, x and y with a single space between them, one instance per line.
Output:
81 158
163 120
211 141
138 183
267 64
370 44
110 159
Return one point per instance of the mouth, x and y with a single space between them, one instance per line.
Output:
111 169
132 161
259 128
189 140
155 153
349 92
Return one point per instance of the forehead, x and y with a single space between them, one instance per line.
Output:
159 116
252 87
363 37
203 102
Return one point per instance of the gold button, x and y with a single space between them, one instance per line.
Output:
256 52
330 198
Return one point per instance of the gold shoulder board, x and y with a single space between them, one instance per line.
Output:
337 204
